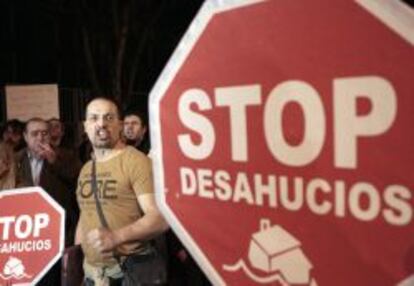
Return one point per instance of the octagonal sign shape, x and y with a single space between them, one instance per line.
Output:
282 142
32 235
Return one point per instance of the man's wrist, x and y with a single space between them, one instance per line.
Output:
118 237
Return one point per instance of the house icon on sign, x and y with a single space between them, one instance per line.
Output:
273 249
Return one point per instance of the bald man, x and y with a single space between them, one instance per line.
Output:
125 191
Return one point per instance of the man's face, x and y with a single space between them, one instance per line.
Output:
37 133
12 136
102 124
56 129
133 128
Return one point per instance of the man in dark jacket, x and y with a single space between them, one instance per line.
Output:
136 130
56 172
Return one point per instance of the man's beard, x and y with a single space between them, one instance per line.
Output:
103 144
103 141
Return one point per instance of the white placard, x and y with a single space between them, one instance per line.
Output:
27 101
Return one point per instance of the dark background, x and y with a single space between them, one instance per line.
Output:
103 47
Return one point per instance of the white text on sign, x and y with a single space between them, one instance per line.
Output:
23 225
360 199
348 126
21 233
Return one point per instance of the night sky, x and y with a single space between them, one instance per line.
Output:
41 41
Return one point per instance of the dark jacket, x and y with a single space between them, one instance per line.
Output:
58 180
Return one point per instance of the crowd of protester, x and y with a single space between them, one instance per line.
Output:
38 153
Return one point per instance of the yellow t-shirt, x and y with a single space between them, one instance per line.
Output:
120 181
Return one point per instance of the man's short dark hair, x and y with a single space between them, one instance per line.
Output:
54 119
139 113
34 119
108 99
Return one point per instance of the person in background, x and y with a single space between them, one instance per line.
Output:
13 134
7 167
63 150
41 165
127 198
136 130
57 131
62 135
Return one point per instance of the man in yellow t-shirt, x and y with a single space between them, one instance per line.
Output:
125 191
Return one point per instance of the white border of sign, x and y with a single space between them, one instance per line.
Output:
395 14
57 207
182 51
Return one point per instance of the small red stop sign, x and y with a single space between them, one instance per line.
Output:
31 235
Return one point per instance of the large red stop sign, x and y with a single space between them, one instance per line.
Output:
31 235
283 142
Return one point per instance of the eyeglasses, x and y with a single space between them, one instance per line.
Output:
36 133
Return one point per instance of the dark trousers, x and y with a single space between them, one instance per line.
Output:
140 270
120 282
112 282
